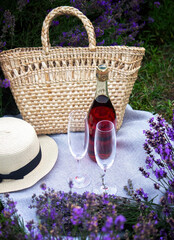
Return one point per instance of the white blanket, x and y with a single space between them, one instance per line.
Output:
130 156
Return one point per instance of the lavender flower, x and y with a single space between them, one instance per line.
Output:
21 4
160 173
170 197
43 186
55 23
10 221
150 20
59 211
157 4
70 184
158 141
119 222
109 19
170 130
77 215
4 83
144 173
2 45
142 194
91 215
8 24
160 160
145 229
108 225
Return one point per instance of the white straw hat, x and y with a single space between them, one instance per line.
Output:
24 157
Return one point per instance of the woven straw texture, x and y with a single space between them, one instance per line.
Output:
49 82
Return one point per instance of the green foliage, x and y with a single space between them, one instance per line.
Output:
28 21
160 31
154 89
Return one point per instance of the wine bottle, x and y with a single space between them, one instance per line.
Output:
101 108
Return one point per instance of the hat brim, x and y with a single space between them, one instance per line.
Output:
49 150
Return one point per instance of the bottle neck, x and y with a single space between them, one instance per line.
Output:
102 88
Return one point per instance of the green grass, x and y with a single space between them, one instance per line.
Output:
154 89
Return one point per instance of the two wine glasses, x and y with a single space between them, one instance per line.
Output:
104 148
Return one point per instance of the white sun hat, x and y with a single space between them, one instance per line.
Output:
25 158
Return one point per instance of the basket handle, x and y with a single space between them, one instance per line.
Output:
69 11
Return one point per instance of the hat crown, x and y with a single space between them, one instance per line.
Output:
19 144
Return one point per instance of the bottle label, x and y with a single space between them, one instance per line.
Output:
101 91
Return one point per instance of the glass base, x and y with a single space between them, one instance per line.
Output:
109 188
81 181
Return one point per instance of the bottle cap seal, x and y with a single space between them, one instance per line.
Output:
102 72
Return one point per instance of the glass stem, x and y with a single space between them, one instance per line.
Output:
103 180
78 169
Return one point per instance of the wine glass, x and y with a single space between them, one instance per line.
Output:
105 152
78 138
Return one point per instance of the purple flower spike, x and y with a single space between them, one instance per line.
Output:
70 184
160 173
157 4
170 197
160 151
4 83
170 131
142 194
55 23
77 214
22 3
108 225
150 20
43 186
119 222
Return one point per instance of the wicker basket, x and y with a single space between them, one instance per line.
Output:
49 82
